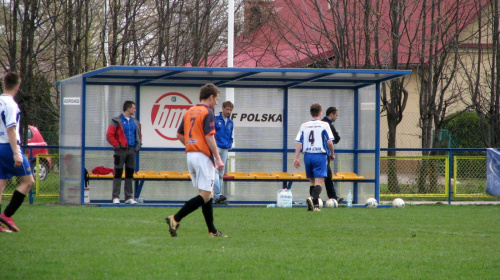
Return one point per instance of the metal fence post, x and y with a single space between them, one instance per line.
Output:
450 174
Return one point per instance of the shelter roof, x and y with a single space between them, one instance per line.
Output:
239 77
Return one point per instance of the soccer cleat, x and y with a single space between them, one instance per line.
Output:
2 229
220 199
9 222
310 206
172 225
116 200
217 234
317 209
130 201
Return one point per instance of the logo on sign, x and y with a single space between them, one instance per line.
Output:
167 114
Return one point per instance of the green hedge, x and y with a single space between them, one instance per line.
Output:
465 130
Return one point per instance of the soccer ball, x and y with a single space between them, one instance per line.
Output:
320 203
398 203
371 203
331 203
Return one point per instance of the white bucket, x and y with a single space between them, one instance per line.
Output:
86 196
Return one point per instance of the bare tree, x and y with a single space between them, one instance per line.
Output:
437 70
10 10
343 34
480 61
207 21
394 95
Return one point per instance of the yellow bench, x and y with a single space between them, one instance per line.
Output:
232 176
146 175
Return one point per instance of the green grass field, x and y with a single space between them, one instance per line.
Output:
417 242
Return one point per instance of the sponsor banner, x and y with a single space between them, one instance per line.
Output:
256 117
161 112
493 172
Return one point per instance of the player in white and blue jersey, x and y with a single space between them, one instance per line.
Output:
315 141
12 160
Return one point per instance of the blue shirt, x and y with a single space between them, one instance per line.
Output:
129 128
223 132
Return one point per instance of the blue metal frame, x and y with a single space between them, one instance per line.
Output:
84 114
356 145
297 78
243 78
377 143
285 136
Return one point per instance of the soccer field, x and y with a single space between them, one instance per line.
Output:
416 242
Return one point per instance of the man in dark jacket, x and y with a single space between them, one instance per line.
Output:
331 116
124 134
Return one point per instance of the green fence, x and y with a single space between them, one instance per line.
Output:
400 176
429 176
46 173
469 176
407 176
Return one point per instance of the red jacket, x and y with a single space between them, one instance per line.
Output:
116 136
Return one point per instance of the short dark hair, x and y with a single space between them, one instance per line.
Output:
127 105
315 109
227 104
11 80
331 110
208 90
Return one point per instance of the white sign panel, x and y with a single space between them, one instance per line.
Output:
161 112
71 101
256 117
162 109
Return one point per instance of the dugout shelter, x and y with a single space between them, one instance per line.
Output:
270 105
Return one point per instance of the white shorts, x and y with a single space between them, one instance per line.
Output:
202 171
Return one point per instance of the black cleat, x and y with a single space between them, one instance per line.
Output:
220 199
310 206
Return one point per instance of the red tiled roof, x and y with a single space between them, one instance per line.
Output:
295 35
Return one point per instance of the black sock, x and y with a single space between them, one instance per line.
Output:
15 203
315 194
190 206
208 213
311 190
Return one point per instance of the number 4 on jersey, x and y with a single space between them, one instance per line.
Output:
311 138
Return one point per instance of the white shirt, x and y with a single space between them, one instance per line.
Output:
9 116
314 136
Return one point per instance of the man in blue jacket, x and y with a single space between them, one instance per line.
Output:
224 137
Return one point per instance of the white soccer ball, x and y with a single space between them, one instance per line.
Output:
371 203
398 203
320 203
331 203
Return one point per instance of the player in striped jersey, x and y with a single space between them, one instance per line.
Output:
315 141
12 160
